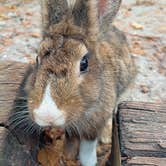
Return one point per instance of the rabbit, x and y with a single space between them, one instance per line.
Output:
83 66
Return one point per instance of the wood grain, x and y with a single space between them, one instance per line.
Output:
142 131
16 148
11 76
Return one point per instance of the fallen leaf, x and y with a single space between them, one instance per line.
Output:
12 7
26 23
29 13
6 41
52 154
145 2
137 49
3 17
144 89
136 25
35 34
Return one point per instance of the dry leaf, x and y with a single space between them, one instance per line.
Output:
137 49
35 34
6 41
3 17
29 13
144 89
12 7
136 25
52 154
26 23
145 2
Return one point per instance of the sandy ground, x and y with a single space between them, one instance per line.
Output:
142 20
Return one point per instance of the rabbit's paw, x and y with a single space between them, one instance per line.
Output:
106 135
87 153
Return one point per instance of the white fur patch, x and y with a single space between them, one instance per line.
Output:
87 153
47 113
71 3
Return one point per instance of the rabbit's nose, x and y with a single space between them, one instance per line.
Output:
48 113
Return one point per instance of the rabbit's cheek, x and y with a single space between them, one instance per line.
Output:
48 114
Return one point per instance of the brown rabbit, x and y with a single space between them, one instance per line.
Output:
83 65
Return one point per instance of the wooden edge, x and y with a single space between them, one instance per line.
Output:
147 161
142 105
115 157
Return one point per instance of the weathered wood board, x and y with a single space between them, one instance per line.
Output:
12 151
11 75
142 131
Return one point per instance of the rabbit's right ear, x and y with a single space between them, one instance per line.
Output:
52 12
94 15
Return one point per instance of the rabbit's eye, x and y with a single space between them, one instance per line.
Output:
84 64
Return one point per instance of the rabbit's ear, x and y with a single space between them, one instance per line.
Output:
95 14
85 14
52 11
108 10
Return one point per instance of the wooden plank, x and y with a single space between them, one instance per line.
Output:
153 161
12 153
142 131
11 75
16 147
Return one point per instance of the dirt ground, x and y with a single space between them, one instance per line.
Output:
142 20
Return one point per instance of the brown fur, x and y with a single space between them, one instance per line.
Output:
89 103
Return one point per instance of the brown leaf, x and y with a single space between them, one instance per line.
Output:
26 23
3 17
35 34
136 26
53 154
144 89
29 13
137 49
145 2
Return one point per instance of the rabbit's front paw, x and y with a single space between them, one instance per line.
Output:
87 153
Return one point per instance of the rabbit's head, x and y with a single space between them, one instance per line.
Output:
65 86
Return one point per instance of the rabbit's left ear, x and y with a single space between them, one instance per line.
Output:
95 14
108 10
